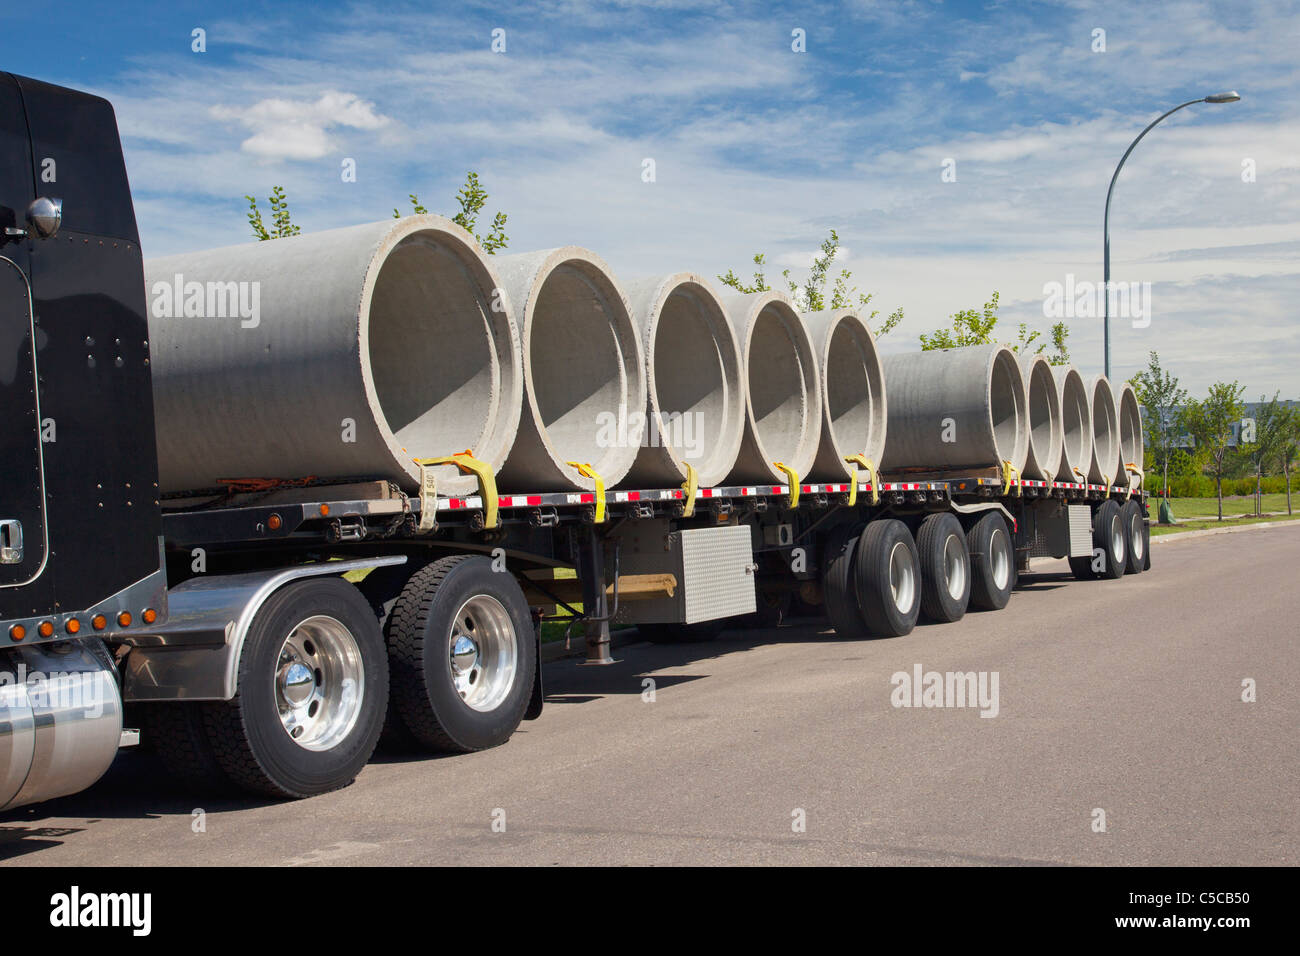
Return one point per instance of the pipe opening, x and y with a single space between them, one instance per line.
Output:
1130 428
432 355
1042 411
577 360
1075 419
780 385
1004 405
1103 426
693 396
851 396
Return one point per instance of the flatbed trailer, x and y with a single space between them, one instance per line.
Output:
265 634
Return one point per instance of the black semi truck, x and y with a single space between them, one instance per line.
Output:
264 638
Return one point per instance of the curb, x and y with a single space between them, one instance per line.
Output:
1203 532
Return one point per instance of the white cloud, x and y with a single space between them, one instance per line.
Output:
298 129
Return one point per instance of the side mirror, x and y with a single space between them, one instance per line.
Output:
44 216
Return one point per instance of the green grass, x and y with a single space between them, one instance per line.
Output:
1198 514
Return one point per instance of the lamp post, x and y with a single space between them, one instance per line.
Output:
1230 97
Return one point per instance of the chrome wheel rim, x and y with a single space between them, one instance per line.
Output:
954 565
1117 539
483 652
319 683
999 558
902 580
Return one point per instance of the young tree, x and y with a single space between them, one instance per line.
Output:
471 197
1210 421
975 327
1270 425
1163 404
812 296
283 224
1289 446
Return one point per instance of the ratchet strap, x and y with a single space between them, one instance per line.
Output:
587 471
869 466
1007 473
1133 469
793 478
467 463
689 486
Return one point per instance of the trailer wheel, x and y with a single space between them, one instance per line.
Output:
992 563
313 689
460 643
1138 537
945 568
838 586
1110 538
887 578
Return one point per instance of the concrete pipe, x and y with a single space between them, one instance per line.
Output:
696 400
1129 416
584 372
1105 432
1045 429
963 408
1076 425
782 411
336 354
852 392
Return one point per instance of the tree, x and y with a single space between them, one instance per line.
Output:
975 327
1210 421
1289 446
279 216
1163 404
1271 422
471 197
811 296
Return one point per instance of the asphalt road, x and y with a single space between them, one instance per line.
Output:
1121 696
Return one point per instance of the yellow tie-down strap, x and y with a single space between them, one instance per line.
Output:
793 478
587 471
869 467
690 486
1133 469
466 462
1008 473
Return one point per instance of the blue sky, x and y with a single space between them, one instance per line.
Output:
756 147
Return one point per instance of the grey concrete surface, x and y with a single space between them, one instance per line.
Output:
1076 424
1128 416
852 392
1105 431
956 408
1046 433
1121 695
398 327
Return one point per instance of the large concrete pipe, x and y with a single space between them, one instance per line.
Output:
336 354
1045 429
1076 425
695 413
584 372
782 411
1105 431
852 392
956 408
1129 417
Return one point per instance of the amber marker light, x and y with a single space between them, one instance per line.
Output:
17 632
149 615
324 510
99 622
274 522
45 629
124 619
72 625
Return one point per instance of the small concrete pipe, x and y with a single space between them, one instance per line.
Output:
852 392
696 399
1076 425
335 354
1046 433
956 408
1129 416
1105 432
584 372
782 410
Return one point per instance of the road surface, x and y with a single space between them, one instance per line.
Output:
783 747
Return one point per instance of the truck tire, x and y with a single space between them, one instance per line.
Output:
945 568
177 734
1138 537
887 578
661 633
992 563
1110 538
313 690
839 589
461 649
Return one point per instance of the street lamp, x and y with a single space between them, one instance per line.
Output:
1229 97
